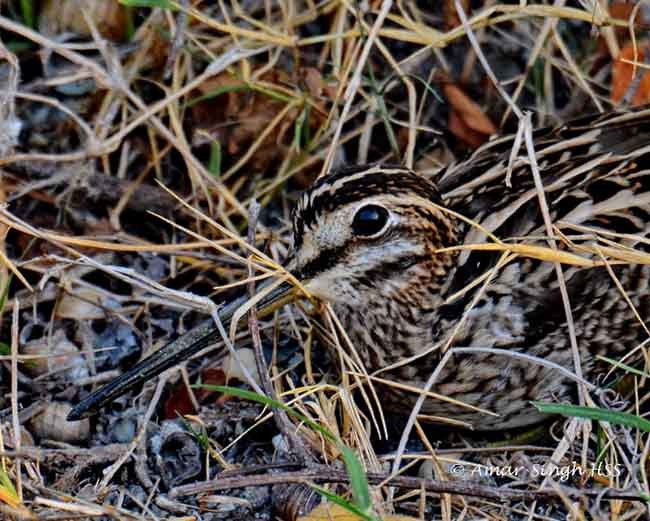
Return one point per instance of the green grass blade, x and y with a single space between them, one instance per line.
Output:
5 292
215 93
382 111
265 400
621 365
214 163
347 505
299 129
5 482
243 87
29 19
163 4
358 479
130 23
594 413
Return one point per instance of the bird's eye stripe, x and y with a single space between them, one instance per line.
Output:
325 260
388 269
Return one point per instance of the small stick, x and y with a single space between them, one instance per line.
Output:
324 474
112 470
179 37
285 426
14 396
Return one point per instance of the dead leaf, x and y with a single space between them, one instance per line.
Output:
621 10
627 84
85 304
52 354
210 376
467 121
52 424
459 129
180 402
61 16
235 114
314 81
451 15
233 368
331 512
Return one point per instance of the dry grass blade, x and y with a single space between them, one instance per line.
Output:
135 138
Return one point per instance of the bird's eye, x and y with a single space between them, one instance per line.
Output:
369 220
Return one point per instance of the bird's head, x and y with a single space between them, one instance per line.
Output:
369 230
360 234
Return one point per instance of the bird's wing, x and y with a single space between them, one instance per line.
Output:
583 163
596 177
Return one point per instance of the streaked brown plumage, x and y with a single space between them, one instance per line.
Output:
368 240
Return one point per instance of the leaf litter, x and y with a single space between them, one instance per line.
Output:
105 106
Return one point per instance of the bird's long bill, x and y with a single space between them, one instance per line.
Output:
184 347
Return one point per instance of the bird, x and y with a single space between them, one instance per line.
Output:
457 266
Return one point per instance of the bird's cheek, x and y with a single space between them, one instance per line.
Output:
329 286
320 288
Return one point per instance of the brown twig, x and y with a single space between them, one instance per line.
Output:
324 474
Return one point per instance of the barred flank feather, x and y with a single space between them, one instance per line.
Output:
402 294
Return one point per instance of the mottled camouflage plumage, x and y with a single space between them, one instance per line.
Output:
393 294
401 293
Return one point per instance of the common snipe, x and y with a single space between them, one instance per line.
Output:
374 242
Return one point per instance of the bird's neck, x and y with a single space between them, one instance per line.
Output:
392 319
